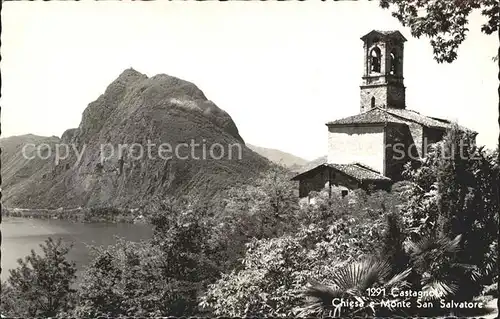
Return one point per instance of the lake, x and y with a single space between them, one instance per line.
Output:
20 235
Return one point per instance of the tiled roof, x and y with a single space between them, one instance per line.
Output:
378 115
373 116
419 118
357 171
366 166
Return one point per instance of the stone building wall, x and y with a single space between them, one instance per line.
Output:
377 92
385 95
363 144
396 96
319 180
430 136
314 182
417 134
385 87
399 143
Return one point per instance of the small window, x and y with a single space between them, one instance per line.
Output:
375 60
344 192
373 102
393 64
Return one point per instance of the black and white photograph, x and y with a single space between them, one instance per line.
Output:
249 159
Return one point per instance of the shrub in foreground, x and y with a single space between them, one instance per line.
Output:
41 286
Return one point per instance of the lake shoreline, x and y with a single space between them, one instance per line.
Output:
111 215
21 235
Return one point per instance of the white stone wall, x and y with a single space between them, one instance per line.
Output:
364 144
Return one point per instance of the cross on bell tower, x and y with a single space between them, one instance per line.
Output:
382 81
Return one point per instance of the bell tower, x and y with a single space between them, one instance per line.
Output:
382 81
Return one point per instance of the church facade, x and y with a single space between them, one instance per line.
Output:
368 150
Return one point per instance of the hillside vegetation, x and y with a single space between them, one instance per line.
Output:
257 251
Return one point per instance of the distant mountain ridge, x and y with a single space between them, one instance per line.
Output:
311 164
292 162
279 157
133 109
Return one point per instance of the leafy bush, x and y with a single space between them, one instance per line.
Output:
265 208
393 241
259 253
128 279
262 209
159 277
274 271
41 284
455 192
352 284
433 259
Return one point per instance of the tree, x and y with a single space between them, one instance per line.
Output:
274 271
41 285
456 192
162 276
266 207
352 283
444 22
263 208
129 279
433 260
393 250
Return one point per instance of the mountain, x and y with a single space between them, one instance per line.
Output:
279 157
309 165
180 133
18 170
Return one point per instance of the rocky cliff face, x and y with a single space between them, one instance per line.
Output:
135 113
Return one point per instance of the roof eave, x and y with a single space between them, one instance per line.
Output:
443 128
299 176
400 35
376 180
330 124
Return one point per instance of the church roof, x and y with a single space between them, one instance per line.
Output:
355 170
420 119
373 116
378 115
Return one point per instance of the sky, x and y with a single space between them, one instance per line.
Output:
280 69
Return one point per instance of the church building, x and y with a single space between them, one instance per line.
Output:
368 150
